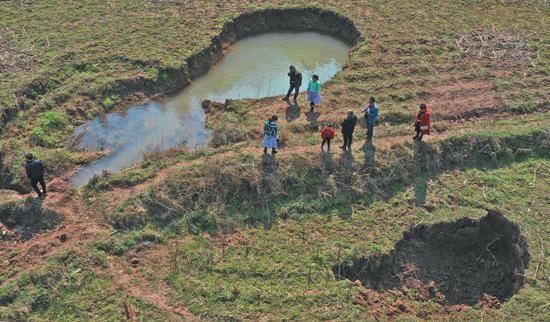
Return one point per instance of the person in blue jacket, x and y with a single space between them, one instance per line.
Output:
371 115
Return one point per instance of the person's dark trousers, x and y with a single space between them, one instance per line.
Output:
370 131
327 141
418 135
348 138
35 182
296 90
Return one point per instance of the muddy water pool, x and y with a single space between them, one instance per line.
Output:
254 67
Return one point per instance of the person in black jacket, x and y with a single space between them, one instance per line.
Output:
295 83
35 172
348 126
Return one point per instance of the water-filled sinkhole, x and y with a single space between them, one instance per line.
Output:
253 67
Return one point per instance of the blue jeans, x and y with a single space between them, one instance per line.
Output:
370 131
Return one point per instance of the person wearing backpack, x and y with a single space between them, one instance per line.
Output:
35 172
327 134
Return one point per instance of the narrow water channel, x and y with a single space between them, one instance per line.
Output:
254 67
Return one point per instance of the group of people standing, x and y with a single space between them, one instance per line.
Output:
313 88
35 168
421 121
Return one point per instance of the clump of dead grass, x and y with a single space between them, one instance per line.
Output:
495 46
12 57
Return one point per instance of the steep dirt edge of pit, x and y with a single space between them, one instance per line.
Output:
245 25
466 259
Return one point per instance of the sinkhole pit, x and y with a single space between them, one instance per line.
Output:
466 259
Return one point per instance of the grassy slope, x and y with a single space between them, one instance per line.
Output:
283 271
409 52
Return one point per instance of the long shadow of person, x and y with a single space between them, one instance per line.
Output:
292 112
344 174
312 116
327 163
28 217
422 151
370 155
270 187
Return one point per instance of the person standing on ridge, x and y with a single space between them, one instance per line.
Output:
327 134
371 115
295 83
35 172
348 126
314 92
271 135
422 122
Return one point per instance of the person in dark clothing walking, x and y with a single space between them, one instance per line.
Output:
295 83
35 172
348 126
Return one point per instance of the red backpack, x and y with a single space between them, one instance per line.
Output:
327 132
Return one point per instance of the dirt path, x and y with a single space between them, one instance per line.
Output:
132 280
78 228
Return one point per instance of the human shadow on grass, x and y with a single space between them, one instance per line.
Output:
292 112
412 165
27 218
327 162
312 117
370 155
344 172
269 183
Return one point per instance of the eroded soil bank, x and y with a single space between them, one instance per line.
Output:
466 259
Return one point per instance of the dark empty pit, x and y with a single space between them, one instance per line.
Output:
466 259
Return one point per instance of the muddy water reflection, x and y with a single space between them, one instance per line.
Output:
254 67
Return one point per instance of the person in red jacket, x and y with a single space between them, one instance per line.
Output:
327 134
422 122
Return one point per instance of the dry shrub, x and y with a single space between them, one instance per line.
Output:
214 183
11 57
158 154
246 185
229 133
284 136
496 47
